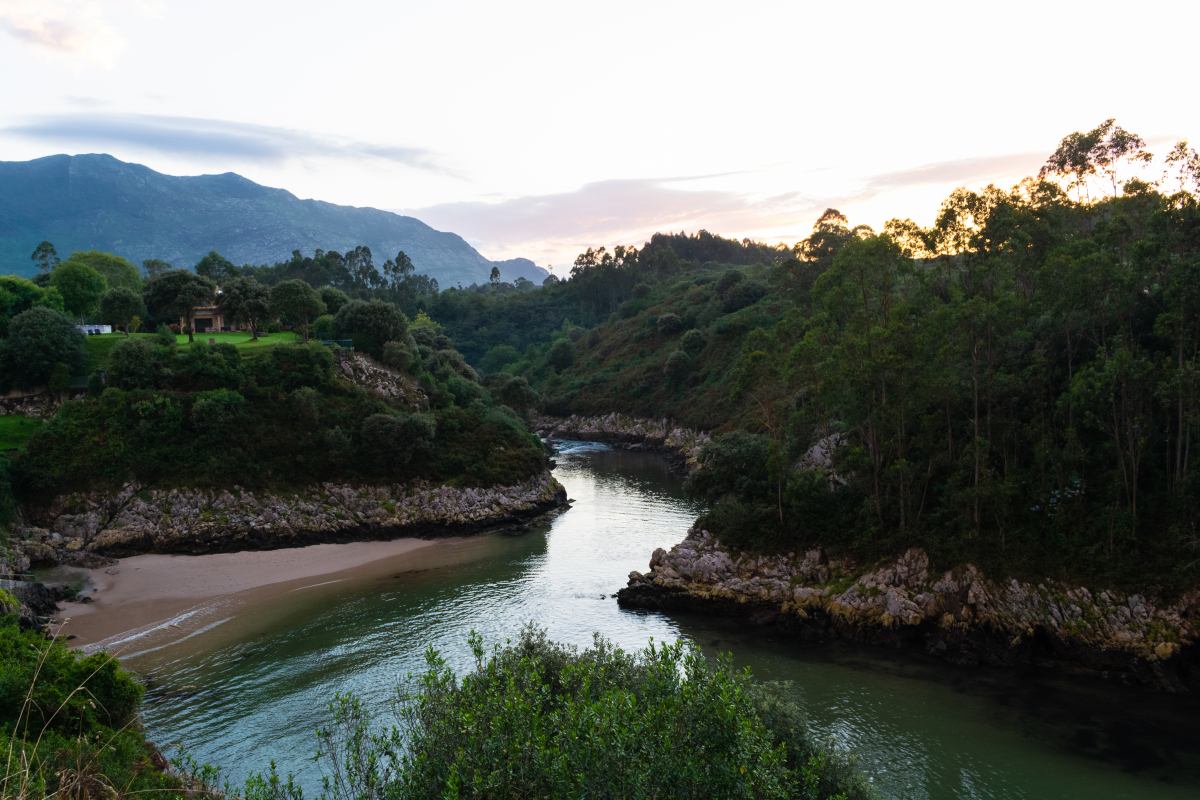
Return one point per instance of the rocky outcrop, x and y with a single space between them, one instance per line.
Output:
361 370
38 404
88 529
960 615
681 444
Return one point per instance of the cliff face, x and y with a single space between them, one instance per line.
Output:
681 445
960 615
87 529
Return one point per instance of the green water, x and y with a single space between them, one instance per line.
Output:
253 688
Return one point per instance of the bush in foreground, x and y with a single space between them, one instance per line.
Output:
538 719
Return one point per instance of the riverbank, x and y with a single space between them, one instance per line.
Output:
88 530
680 445
961 616
169 597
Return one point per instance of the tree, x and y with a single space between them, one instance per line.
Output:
45 256
80 287
494 277
678 367
561 354
370 324
119 306
333 298
37 340
153 267
116 270
179 293
245 300
18 294
1081 156
216 267
134 364
296 301
499 357
390 442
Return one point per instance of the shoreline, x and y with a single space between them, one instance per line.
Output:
961 616
159 599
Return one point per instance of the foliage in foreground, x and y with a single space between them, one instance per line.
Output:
68 724
538 719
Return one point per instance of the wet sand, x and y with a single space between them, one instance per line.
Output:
171 596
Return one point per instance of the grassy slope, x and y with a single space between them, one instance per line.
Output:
99 347
623 371
15 429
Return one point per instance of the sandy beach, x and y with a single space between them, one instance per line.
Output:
169 595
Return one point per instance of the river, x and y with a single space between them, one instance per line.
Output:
254 689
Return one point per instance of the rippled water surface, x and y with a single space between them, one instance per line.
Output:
244 693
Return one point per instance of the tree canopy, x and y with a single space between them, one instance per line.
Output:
178 292
80 286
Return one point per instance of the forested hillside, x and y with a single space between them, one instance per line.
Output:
1015 384
95 201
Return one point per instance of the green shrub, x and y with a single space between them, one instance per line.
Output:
391 441
38 339
631 308
453 361
464 391
134 364
735 463
165 336
214 411
293 366
670 324
397 356
561 354
692 341
539 719
209 366
678 367
746 293
728 280
500 357
514 392
323 326
370 325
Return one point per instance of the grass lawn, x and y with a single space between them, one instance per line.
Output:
242 338
98 347
15 429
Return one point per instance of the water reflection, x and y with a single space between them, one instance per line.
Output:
924 730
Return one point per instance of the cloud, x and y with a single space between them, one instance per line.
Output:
629 211
961 172
69 29
618 208
185 136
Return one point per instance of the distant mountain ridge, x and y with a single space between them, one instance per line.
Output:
95 201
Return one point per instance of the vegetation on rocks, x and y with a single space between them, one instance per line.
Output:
205 416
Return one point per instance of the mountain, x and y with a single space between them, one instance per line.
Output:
95 201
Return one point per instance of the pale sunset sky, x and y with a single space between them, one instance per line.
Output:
538 129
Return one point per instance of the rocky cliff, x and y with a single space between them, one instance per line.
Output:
87 529
960 615
681 445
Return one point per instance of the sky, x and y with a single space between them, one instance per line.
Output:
539 129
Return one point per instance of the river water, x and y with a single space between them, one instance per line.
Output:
241 694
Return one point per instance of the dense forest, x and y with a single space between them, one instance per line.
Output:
1015 384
